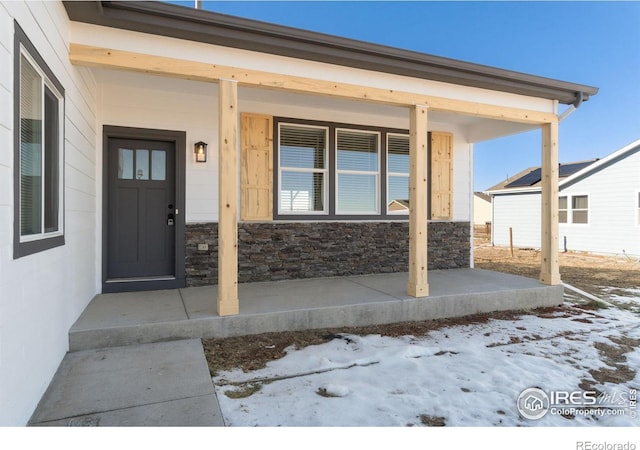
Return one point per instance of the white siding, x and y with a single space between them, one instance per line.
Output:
43 294
613 206
522 214
144 101
613 213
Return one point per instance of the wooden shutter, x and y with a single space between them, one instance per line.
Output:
256 173
441 175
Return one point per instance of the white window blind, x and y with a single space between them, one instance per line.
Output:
30 149
303 169
358 167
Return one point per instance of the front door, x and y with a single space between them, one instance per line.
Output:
141 211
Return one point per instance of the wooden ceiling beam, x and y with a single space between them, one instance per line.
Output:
90 56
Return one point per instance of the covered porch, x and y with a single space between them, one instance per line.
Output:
153 316
210 86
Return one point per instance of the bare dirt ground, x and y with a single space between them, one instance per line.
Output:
591 273
588 272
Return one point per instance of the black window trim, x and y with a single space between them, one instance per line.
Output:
31 247
331 215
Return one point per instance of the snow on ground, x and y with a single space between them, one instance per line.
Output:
468 375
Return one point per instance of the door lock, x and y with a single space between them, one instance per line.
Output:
170 220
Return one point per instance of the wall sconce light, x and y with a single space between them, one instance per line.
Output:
200 150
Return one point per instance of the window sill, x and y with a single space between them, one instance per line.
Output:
21 249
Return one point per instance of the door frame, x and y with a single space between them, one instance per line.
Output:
179 139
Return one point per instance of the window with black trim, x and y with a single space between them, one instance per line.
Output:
332 170
303 169
357 172
38 161
327 170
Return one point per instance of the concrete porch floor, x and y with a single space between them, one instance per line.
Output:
112 320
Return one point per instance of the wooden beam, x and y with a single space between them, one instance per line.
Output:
550 268
90 56
228 302
418 285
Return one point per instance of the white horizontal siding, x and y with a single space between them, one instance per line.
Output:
613 206
613 213
521 213
43 294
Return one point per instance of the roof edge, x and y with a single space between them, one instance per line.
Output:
597 165
236 32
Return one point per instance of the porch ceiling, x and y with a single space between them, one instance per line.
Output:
475 128
90 56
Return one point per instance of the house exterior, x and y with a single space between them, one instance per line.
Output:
598 206
315 147
481 208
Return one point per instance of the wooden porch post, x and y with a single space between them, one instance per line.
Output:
550 268
418 285
228 118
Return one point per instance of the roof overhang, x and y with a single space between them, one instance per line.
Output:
219 29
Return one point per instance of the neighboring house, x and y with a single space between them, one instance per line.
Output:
598 205
481 208
158 146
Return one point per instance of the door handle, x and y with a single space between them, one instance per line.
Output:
170 219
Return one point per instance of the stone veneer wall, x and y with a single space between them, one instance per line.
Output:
283 250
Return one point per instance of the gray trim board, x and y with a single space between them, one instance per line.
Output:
204 26
21 249
179 138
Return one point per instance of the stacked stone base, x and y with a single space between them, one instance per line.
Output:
283 250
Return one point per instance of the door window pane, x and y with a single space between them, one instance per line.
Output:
125 164
158 165
142 164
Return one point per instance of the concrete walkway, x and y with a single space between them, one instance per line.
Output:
160 384
137 360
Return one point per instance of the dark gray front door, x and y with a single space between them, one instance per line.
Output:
141 215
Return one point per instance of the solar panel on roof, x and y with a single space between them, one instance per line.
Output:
570 169
527 180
